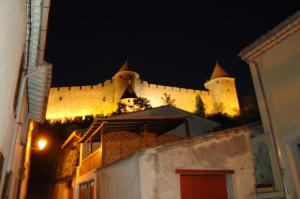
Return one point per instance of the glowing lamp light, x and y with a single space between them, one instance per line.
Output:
42 144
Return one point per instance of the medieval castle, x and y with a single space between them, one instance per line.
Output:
102 99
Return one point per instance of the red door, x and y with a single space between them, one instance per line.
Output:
203 186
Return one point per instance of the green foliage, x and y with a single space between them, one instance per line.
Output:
141 103
121 108
224 120
249 113
167 99
200 107
249 110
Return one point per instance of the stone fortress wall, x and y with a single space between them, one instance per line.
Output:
101 99
184 98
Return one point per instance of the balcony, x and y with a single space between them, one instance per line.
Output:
92 161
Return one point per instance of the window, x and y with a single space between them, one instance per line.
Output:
86 190
262 164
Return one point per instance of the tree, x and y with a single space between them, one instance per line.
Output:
168 100
141 103
249 110
200 107
121 108
224 120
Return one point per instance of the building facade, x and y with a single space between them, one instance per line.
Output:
102 99
274 61
220 161
24 86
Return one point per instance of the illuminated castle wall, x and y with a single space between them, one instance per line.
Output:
79 101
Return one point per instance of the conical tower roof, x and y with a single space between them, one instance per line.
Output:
125 67
219 72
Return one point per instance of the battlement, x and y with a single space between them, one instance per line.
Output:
73 88
171 88
102 98
65 89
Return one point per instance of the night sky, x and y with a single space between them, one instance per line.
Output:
170 44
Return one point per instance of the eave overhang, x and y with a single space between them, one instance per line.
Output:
271 38
38 86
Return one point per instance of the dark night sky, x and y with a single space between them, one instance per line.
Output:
170 44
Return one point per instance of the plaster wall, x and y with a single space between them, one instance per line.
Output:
26 171
12 38
120 180
276 73
17 167
230 150
280 72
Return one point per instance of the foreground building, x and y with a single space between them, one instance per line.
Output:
24 86
102 99
274 61
211 166
162 152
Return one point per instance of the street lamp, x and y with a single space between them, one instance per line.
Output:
41 144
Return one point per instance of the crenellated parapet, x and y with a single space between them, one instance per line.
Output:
101 99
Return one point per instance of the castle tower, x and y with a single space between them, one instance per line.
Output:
127 99
124 79
223 91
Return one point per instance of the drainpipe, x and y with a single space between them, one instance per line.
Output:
273 134
18 123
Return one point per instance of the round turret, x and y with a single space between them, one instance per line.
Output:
124 84
223 92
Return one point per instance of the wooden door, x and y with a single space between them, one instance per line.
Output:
203 186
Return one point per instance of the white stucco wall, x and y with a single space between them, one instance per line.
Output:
120 180
224 151
279 69
280 72
12 38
